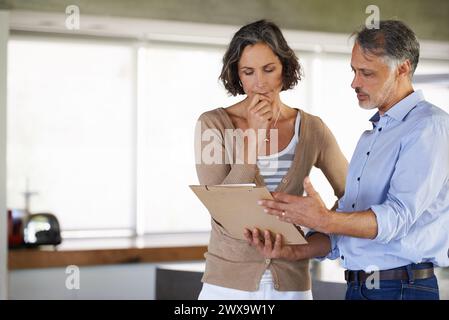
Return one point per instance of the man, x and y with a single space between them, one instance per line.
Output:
394 215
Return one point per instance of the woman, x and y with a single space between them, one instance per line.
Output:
276 146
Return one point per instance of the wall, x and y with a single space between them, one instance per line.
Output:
4 31
125 281
340 16
128 281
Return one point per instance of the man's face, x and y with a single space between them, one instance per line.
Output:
374 82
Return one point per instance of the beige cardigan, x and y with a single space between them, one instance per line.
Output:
231 262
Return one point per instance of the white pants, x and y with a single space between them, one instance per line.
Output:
266 292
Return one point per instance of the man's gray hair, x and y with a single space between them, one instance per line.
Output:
393 40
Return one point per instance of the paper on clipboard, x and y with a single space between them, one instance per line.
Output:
235 208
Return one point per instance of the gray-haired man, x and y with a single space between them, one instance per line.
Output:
394 215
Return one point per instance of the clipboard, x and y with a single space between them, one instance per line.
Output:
235 208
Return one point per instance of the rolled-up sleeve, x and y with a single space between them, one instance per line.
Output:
334 252
420 172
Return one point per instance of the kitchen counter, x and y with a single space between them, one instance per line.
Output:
82 252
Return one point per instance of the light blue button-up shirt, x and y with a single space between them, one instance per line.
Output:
400 170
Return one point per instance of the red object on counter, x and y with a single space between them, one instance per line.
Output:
15 231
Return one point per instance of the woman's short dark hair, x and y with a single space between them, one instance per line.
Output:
266 32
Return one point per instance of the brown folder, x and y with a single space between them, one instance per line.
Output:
235 208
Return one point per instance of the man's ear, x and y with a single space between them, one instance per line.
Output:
404 69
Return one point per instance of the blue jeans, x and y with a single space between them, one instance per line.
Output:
411 289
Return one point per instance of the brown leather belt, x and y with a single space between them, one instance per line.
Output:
393 274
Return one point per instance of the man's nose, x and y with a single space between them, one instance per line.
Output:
355 82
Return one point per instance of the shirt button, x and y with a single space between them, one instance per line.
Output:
367 153
284 180
358 179
267 261
342 257
380 129
276 286
353 205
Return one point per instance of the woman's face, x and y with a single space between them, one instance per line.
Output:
260 71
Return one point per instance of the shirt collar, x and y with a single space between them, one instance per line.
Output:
402 108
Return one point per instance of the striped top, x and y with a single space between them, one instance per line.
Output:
275 166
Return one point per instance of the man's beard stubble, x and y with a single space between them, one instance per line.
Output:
381 98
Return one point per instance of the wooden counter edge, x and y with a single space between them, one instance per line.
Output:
35 258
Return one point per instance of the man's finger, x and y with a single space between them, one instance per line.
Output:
281 214
270 204
284 197
308 187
